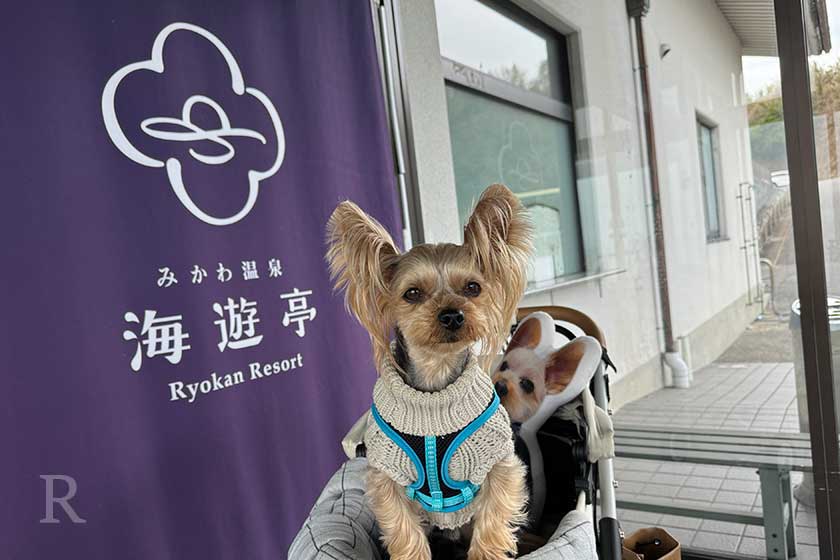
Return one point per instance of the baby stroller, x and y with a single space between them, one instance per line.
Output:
341 526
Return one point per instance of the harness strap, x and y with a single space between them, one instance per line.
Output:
430 444
436 502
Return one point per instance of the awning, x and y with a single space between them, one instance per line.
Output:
754 23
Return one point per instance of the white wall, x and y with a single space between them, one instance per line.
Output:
702 74
610 169
429 124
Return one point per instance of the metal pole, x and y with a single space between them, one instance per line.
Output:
810 269
745 246
755 245
772 270
659 233
609 545
395 125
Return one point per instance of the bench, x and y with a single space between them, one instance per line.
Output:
773 455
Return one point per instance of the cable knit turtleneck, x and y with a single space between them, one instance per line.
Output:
436 414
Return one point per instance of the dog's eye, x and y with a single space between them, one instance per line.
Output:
503 367
527 385
413 295
472 289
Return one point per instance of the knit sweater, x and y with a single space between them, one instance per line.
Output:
440 413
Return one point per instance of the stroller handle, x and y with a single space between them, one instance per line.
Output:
567 315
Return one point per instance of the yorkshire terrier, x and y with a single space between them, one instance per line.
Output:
437 315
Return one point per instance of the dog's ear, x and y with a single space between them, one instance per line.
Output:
527 335
498 235
561 366
361 256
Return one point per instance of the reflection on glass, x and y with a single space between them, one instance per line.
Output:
474 34
825 102
548 243
495 142
709 176
772 200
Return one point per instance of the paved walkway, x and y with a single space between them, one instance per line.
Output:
750 387
739 396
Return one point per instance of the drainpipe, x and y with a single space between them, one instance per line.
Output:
681 374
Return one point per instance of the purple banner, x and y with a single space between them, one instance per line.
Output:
177 373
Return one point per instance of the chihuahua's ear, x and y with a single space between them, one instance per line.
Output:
562 365
498 235
361 255
527 335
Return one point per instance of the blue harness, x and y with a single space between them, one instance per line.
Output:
427 490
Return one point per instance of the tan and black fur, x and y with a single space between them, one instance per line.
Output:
439 302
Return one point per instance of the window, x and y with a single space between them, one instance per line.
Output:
510 120
707 144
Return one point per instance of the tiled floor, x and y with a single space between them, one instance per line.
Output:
735 396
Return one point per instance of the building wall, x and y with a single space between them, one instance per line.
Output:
610 166
701 75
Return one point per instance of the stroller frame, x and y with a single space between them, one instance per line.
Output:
608 532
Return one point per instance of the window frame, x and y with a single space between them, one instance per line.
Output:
703 122
464 76
470 78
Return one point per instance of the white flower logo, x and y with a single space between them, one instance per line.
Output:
184 130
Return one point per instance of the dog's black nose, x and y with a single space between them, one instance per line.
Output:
501 388
451 319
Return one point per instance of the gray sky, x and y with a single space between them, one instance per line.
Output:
481 37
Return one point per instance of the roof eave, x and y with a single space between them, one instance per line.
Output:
754 24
